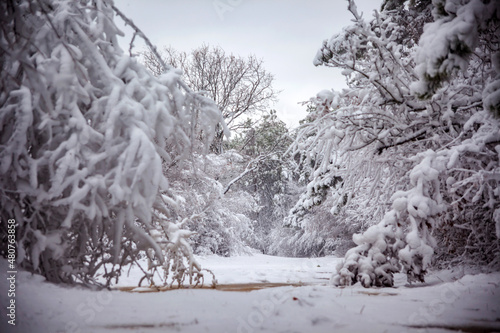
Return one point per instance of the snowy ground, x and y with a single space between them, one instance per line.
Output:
448 302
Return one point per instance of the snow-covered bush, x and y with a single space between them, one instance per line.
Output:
84 132
412 138
224 225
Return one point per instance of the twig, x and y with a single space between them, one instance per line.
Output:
139 33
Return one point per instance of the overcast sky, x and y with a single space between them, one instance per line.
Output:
285 34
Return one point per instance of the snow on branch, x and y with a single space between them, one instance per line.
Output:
85 133
251 166
434 161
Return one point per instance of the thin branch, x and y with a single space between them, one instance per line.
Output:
139 33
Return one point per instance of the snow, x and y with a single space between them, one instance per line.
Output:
449 300
496 218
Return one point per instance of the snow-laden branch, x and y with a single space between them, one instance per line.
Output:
251 166
442 165
85 130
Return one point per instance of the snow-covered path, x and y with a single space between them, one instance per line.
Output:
447 302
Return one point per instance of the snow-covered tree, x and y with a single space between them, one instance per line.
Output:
224 225
411 143
241 87
266 175
84 132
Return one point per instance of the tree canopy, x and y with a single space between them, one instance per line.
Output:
241 87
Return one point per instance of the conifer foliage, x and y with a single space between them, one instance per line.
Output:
85 130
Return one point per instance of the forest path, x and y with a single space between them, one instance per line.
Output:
234 287
257 271
449 302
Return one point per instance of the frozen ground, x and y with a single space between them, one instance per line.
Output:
448 302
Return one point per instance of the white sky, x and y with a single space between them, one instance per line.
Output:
286 34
